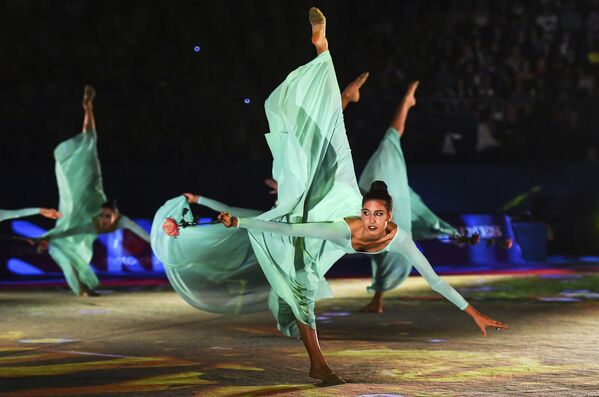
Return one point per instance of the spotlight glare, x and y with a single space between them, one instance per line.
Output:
197 48
247 100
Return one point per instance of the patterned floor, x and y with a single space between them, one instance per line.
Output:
147 341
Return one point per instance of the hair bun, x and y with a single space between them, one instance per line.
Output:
378 191
379 186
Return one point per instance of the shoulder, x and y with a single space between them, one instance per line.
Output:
392 227
353 222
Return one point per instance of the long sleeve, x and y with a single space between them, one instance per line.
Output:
13 214
336 232
221 207
89 228
127 223
405 246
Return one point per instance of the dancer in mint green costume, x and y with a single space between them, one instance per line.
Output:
15 214
85 212
317 219
410 213
213 268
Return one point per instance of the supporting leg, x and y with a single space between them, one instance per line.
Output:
319 368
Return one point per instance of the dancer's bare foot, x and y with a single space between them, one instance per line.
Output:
375 305
327 376
372 307
87 292
89 93
351 93
409 100
319 23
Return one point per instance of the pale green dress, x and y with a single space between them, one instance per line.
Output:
81 195
313 165
409 211
211 267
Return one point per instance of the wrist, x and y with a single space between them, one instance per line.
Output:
470 310
235 221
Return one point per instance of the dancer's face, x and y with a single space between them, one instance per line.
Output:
375 216
106 218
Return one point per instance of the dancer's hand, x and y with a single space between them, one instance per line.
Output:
226 219
484 321
274 185
192 198
50 213
41 245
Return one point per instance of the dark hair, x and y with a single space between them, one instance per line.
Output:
378 191
110 205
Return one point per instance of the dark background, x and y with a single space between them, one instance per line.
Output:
510 84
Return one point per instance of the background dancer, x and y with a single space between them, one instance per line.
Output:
86 213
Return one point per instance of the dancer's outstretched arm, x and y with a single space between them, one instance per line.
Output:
404 245
127 223
14 214
221 207
336 232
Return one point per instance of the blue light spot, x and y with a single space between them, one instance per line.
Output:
247 100
27 229
18 266
197 48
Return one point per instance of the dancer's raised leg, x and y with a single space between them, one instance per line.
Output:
89 122
401 114
351 93
319 368
319 24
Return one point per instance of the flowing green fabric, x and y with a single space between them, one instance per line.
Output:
14 214
211 267
79 180
313 166
410 213
81 192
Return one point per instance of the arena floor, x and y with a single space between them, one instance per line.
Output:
146 341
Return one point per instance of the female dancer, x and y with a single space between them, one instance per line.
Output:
319 216
194 260
50 213
389 270
86 212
